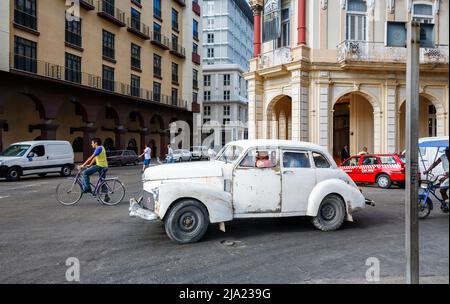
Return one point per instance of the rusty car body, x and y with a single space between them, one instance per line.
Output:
249 179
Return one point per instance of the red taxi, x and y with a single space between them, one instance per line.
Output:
383 169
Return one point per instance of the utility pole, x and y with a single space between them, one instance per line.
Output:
412 162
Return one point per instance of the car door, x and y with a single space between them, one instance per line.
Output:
39 163
323 168
297 180
369 168
352 168
257 189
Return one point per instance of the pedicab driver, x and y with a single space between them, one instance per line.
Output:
100 160
444 180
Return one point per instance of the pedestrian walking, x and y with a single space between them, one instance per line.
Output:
212 154
147 157
170 158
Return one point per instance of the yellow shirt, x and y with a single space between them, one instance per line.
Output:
101 159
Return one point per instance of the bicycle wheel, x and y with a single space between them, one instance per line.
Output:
111 192
69 192
424 207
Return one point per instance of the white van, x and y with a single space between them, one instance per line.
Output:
36 157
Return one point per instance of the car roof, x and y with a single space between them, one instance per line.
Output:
278 143
36 142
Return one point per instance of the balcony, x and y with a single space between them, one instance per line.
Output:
87 4
196 58
177 50
362 51
180 2
276 57
138 28
196 8
37 68
220 98
159 40
111 13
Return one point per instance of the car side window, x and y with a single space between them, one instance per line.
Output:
388 160
260 158
370 160
296 160
352 162
320 161
37 151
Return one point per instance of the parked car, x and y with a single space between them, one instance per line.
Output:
199 153
122 158
182 155
382 169
36 157
249 179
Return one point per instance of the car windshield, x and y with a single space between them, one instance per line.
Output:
229 153
16 151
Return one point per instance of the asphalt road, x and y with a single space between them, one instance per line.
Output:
37 236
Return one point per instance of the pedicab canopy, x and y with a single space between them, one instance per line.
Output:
434 143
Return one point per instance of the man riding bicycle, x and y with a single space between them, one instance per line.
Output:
100 160
444 180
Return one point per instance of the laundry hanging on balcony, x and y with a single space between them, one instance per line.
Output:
272 20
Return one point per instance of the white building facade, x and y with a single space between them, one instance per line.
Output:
329 79
227 48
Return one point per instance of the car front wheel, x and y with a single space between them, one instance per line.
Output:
187 222
331 214
384 181
13 174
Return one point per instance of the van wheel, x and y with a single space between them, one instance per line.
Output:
331 214
13 174
66 171
42 174
187 222
384 181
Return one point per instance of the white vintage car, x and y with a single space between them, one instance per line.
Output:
249 179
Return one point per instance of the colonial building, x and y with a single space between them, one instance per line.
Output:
118 70
227 48
322 73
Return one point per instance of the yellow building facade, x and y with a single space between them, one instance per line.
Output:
329 78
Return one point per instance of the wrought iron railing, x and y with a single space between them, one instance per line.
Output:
25 19
378 52
56 72
106 7
136 25
178 49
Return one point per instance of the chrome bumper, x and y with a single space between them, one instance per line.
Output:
137 210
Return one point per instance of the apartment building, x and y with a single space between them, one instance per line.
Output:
227 49
321 73
119 70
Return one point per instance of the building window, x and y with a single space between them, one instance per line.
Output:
25 13
195 29
226 111
135 56
73 32
174 97
157 91
135 20
108 44
195 79
135 86
207 95
194 48
157 8
194 97
285 39
226 95
226 79
206 110
174 42
73 68
207 80
157 65
108 78
210 53
432 121
25 55
174 73
157 32
210 38
356 26
174 19
423 13
108 7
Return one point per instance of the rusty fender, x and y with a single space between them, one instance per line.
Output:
354 200
218 202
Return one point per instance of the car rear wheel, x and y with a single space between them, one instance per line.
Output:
66 171
187 222
384 181
13 174
331 214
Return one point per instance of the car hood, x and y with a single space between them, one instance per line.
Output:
184 170
8 159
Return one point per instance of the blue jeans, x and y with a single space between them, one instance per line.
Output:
87 173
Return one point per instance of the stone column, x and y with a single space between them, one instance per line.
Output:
256 107
300 105
391 134
441 119
145 138
120 133
257 7
323 116
48 130
3 126
377 131
89 132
